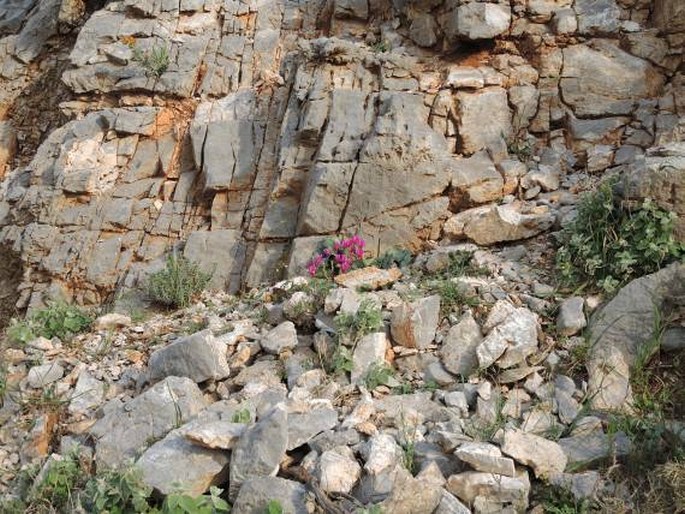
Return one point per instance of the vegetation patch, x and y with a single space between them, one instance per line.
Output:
178 283
609 244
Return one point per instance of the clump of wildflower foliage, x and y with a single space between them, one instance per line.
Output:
608 244
335 256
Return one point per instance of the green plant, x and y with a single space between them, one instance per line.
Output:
155 60
177 283
378 374
365 321
58 319
241 416
485 430
274 507
210 503
342 360
557 500
371 509
452 295
399 257
609 244
461 263
57 487
20 332
116 492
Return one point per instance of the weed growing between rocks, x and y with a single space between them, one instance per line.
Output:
177 284
59 319
609 244
65 485
155 61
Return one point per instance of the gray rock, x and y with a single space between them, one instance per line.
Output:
476 21
174 464
12 14
544 456
597 16
44 375
449 504
583 451
8 141
474 108
413 325
199 357
126 430
581 485
512 336
304 426
412 495
485 457
208 248
283 337
351 9
423 30
435 372
88 394
590 75
458 351
497 223
571 317
621 329
338 470
256 493
260 450
215 434
501 489
369 353
40 27
476 180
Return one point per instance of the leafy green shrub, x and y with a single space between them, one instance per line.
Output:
399 257
242 416
177 283
116 492
274 507
365 321
210 503
608 244
378 374
59 485
58 319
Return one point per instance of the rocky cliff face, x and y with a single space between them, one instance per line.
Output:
242 132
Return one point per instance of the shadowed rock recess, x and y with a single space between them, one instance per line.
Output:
242 132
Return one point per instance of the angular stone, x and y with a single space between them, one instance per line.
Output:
369 352
590 78
469 485
44 375
449 504
260 450
215 434
304 426
476 21
465 78
413 325
597 16
545 457
282 337
351 9
485 457
175 465
127 429
207 249
458 351
256 494
412 495
476 180
338 470
199 357
497 223
484 118
510 340
571 317
369 278
88 394
111 321
583 451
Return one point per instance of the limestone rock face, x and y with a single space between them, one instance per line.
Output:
242 133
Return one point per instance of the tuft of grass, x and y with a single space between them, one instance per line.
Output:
452 296
155 61
58 487
177 284
242 416
557 500
116 491
609 244
395 257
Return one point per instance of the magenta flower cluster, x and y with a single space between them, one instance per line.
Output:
337 256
